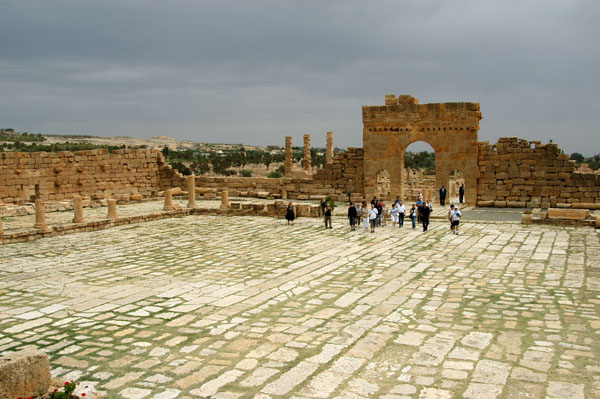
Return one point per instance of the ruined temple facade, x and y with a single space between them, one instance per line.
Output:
450 128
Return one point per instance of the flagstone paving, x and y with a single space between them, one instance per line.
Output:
248 307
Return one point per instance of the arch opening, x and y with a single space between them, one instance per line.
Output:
419 171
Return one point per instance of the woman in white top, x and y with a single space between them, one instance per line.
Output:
373 217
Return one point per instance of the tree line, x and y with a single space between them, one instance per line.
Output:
222 162
593 161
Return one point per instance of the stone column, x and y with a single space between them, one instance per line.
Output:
78 209
191 189
168 200
329 153
40 215
289 157
112 209
307 163
225 198
283 193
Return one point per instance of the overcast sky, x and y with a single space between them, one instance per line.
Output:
253 72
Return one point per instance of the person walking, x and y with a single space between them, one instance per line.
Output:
413 216
419 205
379 208
456 220
384 214
327 216
290 214
394 213
352 214
425 212
365 216
450 212
401 212
323 206
461 193
443 194
373 217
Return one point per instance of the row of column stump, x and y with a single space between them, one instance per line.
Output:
40 212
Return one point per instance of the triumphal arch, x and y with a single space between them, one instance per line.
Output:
449 128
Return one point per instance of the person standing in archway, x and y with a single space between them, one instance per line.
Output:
443 194
461 193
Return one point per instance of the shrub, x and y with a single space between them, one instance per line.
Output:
275 175
181 168
245 173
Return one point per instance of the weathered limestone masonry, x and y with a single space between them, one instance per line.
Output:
95 173
307 164
345 173
520 173
289 160
450 128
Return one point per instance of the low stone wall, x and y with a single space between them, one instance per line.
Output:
520 173
561 217
94 173
275 209
302 189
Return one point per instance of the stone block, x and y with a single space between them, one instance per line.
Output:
24 374
586 205
485 204
569 214
526 218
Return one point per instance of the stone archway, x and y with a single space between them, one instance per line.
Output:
449 128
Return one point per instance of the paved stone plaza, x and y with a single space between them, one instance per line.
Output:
248 307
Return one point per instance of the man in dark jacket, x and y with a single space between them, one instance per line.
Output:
443 193
352 216
425 212
379 212
461 193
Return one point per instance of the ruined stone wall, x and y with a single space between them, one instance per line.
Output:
343 175
345 172
94 173
520 173
291 188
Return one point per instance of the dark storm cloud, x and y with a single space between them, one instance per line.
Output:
256 71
